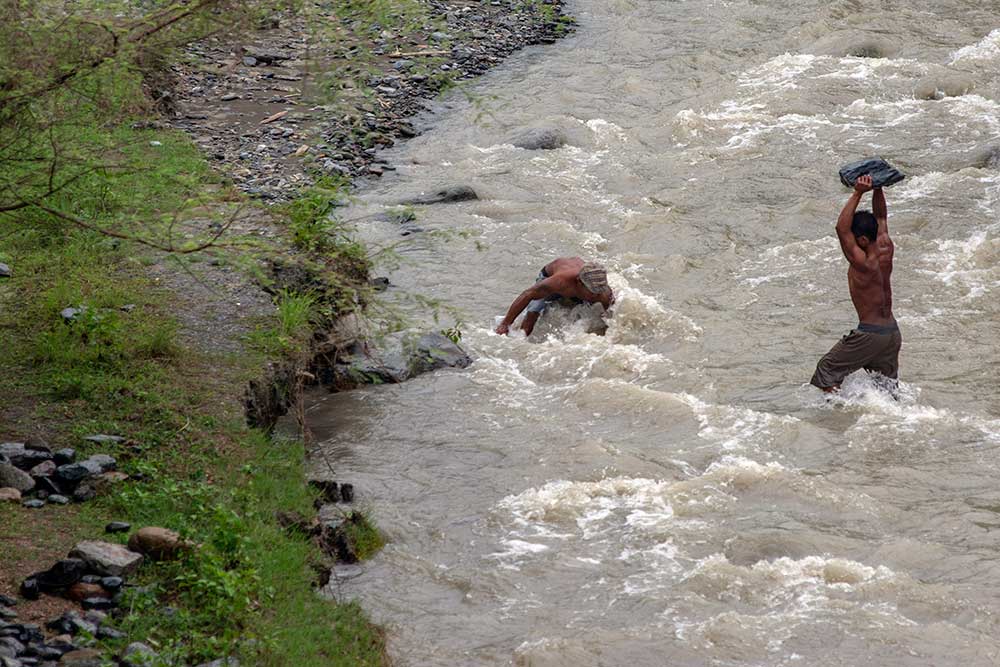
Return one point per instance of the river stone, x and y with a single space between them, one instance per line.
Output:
107 632
541 138
400 358
4 270
74 472
102 438
9 495
448 195
138 654
84 657
221 662
69 314
15 478
64 456
108 559
29 589
104 462
57 499
118 527
43 469
157 543
84 493
62 574
80 591
13 645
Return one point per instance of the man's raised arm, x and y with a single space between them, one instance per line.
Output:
852 251
883 242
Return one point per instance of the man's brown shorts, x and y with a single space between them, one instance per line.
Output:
873 348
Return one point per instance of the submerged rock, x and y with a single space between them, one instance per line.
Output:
448 195
400 358
541 138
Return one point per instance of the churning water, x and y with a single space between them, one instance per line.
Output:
674 493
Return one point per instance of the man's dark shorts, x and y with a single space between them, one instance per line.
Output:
871 347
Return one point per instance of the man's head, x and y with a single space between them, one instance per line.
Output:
594 277
865 228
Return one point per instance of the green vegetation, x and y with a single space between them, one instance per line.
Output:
91 202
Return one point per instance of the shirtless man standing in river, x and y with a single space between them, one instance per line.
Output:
874 344
566 277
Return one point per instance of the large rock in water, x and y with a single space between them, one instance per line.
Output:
448 195
539 138
107 559
15 478
400 358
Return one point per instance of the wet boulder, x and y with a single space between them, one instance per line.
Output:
539 139
447 195
399 358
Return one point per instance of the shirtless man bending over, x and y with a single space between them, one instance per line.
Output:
874 344
566 277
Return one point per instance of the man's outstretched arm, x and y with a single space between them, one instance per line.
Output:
852 251
539 290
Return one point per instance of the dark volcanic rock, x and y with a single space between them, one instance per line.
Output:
30 590
84 492
883 174
62 574
75 472
118 527
64 456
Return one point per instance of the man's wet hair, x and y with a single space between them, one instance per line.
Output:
864 224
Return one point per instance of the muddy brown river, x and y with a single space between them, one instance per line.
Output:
674 492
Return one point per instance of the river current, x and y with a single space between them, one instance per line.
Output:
674 492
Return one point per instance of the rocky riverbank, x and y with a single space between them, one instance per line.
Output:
290 103
261 110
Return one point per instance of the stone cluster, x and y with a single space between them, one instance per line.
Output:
34 475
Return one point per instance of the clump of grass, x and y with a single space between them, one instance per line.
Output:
363 534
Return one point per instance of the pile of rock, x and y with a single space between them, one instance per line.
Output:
34 475
25 644
244 104
93 575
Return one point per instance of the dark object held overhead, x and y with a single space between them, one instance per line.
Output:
883 174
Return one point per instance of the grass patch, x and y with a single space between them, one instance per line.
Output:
115 366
